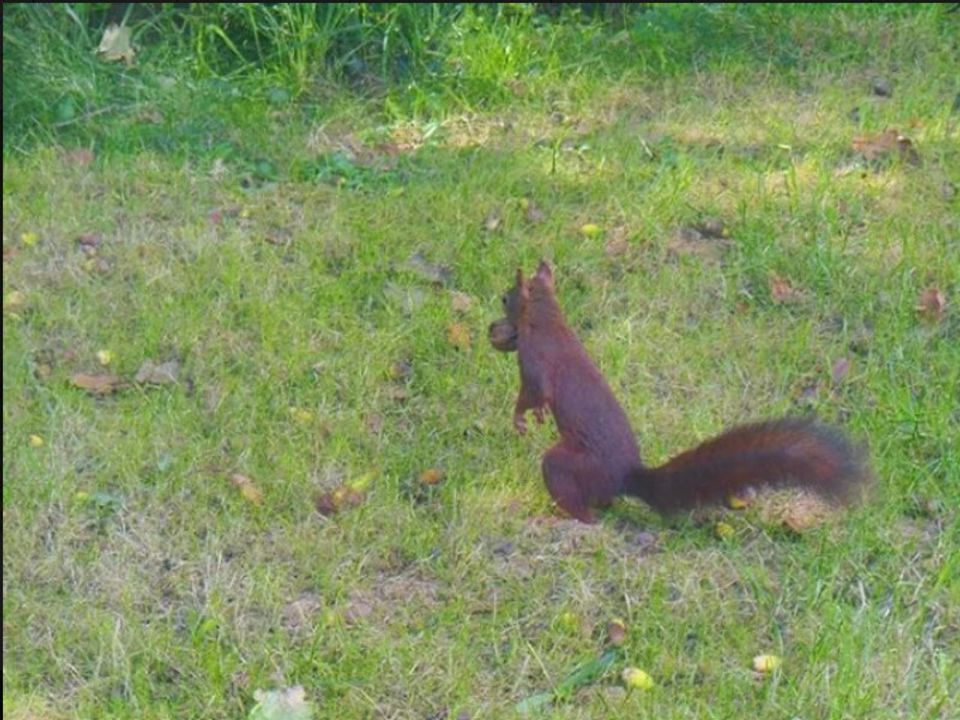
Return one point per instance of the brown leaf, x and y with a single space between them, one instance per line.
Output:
151 373
461 302
458 335
431 476
332 502
374 423
248 490
782 291
875 147
81 157
98 384
933 304
616 632
840 369
89 240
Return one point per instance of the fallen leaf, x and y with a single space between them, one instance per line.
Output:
461 302
151 373
89 241
617 242
301 416
875 147
287 704
635 678
458 335
591 230
81 157
742 499
29 239
98 384
782 291
766 663
438 274
616 632
104 357
724 531
493 221
933 304
401 370
115 44
248 490
332 502
431 476
36 441
840 369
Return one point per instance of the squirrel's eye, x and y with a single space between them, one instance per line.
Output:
503 300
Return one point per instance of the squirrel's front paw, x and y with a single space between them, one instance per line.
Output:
520 423
538 414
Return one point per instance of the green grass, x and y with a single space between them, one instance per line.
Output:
138 581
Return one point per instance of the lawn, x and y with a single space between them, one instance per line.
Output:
255 437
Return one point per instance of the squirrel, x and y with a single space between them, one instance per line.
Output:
597 458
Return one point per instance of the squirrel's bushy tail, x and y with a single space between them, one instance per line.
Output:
796 452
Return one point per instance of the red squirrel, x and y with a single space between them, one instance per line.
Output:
597 458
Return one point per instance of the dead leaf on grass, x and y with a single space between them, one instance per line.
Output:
782 291
458 335
617 243
151 373
115 44
616 632
493 221
334 501
102 384
432 272
89 242
460 302
247 488
431 476
401 370
933 305
876 147
81 157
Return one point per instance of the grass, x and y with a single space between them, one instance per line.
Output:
265 241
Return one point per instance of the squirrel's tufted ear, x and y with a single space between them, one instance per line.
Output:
545 274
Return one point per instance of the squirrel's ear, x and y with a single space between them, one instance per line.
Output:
545 273
523 290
